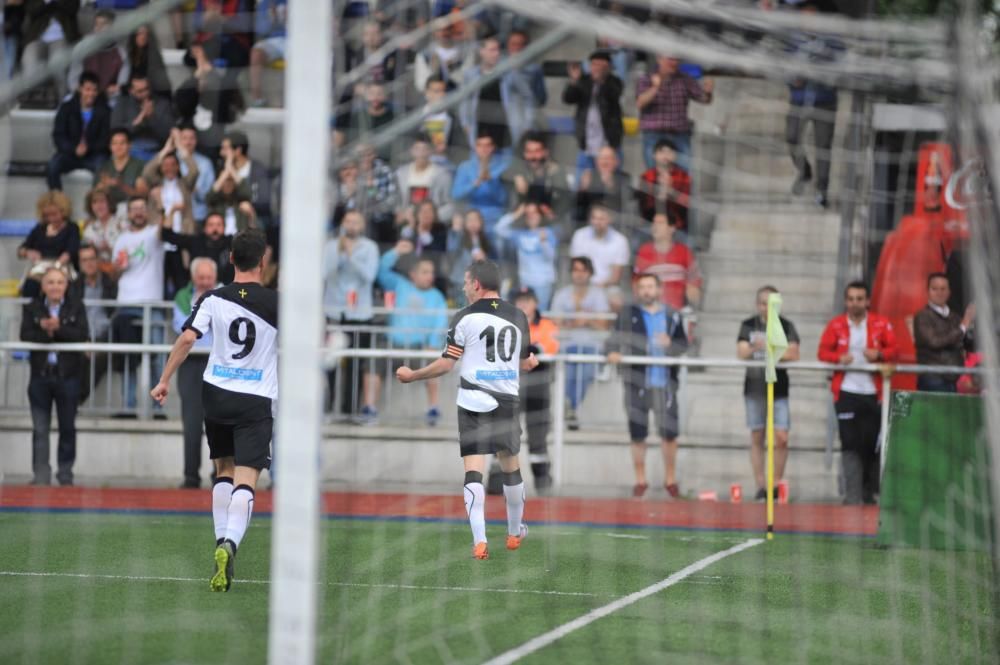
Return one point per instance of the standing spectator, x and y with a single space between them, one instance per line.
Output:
580 333
80 132
103 226
665 187
430 239
54 237
55 376
420 314
855 338
93 284
811 101
532 72
606 184
422 180
50 26
148 118
673 263
121 176
270 32
232 203
444 58
235 153
189 382
110 64
649 328
536 247
467 243
442 127
186 141
478 183
211 243
751 344
377 194
146 61
662 97
138 264
597 97
538 177
606 248
350 264
940 335
536 387
505 109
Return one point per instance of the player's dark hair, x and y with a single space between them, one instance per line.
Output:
937 275
248 249
239 140
487 273
857 284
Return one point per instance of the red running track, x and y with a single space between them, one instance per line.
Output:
789 518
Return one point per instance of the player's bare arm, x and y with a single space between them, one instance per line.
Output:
178 354
439 367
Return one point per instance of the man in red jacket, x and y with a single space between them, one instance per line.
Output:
858 337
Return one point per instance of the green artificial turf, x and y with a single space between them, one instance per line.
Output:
798 599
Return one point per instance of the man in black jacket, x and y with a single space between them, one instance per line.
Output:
55 376
211 243
650 328
81 132
597 97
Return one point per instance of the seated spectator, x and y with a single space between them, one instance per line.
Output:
429 237
368 185
350 265
93 284
445 57
539 178
54 238
940 335
211 243
442 127
186 141
580 333
505 109
597 98
420 313
235 153
478 183
672 262
662 97
102 227
365 121
606 185
121 175
48 29
231 202
606 248
56 377
536 247
422 180
376 70
517 39
110 64
146 61
665 187
148 118
80 132
467 243
270 33
224 28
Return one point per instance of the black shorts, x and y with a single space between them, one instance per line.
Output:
640 401
238 425
489 432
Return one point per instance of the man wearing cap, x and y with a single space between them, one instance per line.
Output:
597 97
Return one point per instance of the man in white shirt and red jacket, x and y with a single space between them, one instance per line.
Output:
858 337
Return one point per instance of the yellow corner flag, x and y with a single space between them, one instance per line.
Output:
776 345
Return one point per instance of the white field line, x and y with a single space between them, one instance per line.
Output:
358 585
545 639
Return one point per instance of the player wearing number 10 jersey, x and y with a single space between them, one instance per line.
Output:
239 392
491 337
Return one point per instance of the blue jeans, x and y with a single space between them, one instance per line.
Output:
682 141
157 335
579 376
62 162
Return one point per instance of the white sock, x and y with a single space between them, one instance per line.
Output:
514 494
222 492
475 504
240 509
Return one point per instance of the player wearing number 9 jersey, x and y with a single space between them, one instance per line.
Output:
239 392
491 338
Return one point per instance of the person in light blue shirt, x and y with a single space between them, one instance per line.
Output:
478 185
421 311
535 246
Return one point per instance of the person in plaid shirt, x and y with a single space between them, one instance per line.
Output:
662 97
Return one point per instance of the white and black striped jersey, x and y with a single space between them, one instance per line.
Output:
243 320
490 337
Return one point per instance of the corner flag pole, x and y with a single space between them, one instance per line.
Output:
776 345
